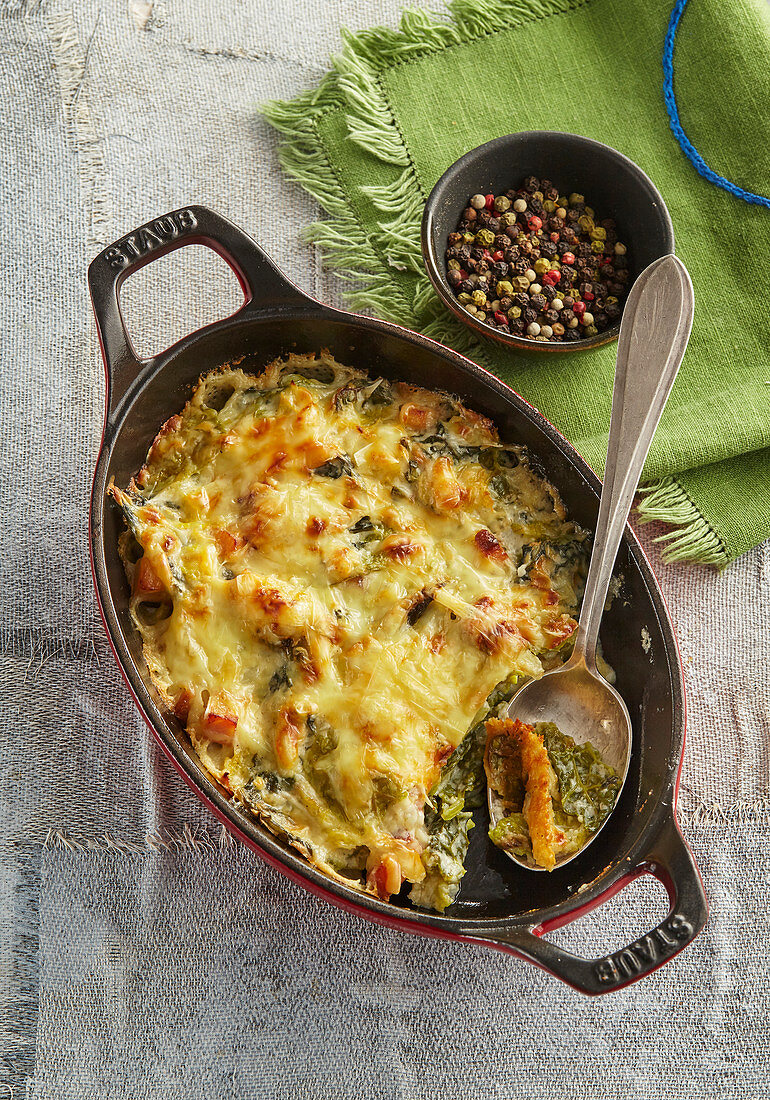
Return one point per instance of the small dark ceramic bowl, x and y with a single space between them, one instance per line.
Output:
612 184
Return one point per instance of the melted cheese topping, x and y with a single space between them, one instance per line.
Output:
330 575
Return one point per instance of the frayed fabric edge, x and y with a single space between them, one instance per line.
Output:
186 839
692 538
735 813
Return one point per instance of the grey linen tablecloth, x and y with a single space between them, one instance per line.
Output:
142 953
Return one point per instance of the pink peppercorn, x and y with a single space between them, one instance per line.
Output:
555 237
497 256
501 318
551 278
589 297
489 201
568 258
578 307
535 223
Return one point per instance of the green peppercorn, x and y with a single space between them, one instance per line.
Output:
504 288
484 238
549 206
620 249
575 199
468 237
590 330
502 203
520 283
590 212
541 266
479 298
463 298
453 265
514 313
597 233
597 246
509 218
586 223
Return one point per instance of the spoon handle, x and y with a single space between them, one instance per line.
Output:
653 336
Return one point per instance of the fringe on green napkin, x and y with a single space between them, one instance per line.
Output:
399 106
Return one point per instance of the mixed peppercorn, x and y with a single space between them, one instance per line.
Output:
535 263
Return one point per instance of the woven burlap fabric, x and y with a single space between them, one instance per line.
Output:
172 968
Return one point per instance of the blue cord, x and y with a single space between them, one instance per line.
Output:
688 148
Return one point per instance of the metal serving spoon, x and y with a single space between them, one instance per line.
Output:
653 336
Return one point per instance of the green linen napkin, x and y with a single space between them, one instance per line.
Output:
399 106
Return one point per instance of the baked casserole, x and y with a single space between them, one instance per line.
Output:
337 580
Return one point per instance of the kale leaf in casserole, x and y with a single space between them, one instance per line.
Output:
336 579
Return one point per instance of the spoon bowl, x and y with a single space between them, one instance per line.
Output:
577 700
653 336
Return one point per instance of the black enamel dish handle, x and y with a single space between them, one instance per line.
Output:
265 288
671 861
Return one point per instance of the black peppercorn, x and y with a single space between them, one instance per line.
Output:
549 293
466 287
499 269
535 205
566 316
552 316
512 231
505 303
548 249
531 183
529 315
470 215
538 302
454 278
501 242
